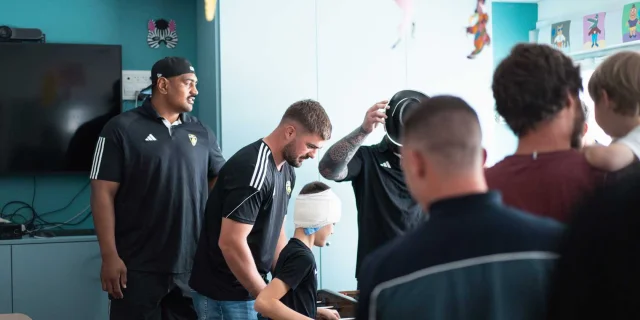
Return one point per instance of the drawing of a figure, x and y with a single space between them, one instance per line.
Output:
560 40
633 21
594 31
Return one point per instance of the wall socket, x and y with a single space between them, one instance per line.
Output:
133 81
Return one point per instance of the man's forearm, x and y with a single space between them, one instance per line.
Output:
238 257
104 222
333 165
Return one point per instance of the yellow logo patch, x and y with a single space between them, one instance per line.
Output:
288 188
193 139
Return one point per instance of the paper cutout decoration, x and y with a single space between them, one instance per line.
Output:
407 19
160 32
478 29
593 36
561 35
210 9
630 22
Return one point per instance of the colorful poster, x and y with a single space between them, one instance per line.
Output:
630 22
561 35
593 35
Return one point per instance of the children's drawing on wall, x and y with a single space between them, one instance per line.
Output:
561 35
407 20
630 22
478 28
593 35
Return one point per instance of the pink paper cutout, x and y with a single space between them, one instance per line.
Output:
172 26
151 25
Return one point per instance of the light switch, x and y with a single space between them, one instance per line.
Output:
133 81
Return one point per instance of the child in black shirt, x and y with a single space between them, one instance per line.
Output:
292 294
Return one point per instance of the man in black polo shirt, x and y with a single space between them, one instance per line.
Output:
474 258
243 232
150 181
385 208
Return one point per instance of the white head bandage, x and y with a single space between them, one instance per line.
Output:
317 210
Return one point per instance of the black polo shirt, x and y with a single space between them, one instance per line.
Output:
296 267
385 207
163 174
250 190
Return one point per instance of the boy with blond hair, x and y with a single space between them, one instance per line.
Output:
292 294
615 89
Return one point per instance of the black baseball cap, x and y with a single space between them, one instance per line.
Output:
170 67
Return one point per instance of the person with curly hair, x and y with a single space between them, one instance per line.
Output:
537 90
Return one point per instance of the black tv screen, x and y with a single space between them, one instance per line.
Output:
54 101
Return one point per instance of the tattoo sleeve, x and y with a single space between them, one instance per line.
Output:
333 165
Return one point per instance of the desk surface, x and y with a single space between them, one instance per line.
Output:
41 240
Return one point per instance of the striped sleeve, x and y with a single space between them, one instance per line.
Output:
108 156
247 185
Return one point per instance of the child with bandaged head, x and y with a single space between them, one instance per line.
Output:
292 294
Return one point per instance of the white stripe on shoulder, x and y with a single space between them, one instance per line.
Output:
261 167
501 257
97 158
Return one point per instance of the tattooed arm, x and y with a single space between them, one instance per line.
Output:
334 164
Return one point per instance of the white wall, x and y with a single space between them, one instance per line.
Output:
549 10
339 52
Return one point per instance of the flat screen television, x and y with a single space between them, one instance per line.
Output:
54 101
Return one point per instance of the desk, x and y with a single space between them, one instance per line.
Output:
344 302
52 278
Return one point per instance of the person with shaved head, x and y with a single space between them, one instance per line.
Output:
474 258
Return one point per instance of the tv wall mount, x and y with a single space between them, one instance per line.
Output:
11 34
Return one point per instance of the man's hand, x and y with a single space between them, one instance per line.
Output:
327 314
376 114
113 276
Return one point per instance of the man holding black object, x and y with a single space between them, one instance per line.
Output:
385 208
152 170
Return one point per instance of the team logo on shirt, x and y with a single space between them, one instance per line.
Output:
193 139
288 187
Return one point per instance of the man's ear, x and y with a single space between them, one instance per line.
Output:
163 85
484 157
289 132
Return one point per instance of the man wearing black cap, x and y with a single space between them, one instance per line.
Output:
385 208
152 171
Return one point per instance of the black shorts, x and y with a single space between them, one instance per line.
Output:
154 296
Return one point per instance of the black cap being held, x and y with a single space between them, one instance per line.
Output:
170 67
400 106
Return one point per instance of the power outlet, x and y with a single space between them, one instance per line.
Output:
133 81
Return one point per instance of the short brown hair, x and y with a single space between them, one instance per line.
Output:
312 116
619 77
533 84
448 128
314 187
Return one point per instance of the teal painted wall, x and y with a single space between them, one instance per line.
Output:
93 22
511 24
